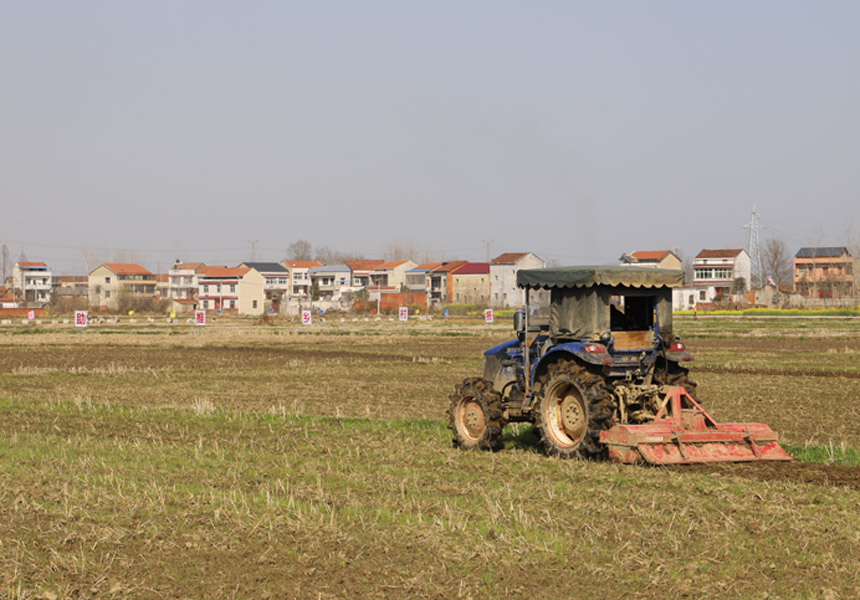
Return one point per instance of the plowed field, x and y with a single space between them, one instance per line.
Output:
250 461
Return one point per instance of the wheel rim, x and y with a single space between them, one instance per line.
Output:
471 419
565 417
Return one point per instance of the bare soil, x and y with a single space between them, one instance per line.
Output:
802 472
185 466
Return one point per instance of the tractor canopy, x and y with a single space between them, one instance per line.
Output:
588 301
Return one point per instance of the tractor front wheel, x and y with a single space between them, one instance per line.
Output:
475 415
573 407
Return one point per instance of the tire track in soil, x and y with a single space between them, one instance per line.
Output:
801 472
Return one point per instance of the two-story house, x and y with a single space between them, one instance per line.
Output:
300 276
470 284
231 289
717 273
360 269
182 280
416 279
31 283
276 283
504 292
440 283
824 272
331 280
391 274
109 281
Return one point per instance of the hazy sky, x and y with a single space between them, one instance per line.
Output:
575 130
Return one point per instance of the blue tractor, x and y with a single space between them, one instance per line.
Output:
604 356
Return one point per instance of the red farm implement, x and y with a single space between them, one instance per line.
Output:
690 435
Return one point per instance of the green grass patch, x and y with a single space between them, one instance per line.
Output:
829 455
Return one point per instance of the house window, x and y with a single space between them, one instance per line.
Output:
205 290
254 304
107 279
218 289
692 299
107 293
232 288
702 295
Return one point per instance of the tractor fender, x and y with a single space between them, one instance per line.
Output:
568 351
677 357
498 366
502 347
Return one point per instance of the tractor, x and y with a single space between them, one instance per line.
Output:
603 377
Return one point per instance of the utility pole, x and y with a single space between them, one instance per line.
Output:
753 248
487 248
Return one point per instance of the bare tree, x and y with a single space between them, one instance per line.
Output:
329 256
300 250
126 256
4 258
777 261
689 271
91 257
399 250
852 242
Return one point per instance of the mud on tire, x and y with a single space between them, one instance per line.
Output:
475 415
671 373
573 407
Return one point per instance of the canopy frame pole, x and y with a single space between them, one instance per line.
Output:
527 351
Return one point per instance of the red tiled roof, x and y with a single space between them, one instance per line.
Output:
161 277
70 278
390 265
303 264
223 272
31 264
426 266
473 269
363 264
188 266
127 269
650 254
724 253
508 258
448 267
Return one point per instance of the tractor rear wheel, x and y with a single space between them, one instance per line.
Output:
573 407
475 415
671 373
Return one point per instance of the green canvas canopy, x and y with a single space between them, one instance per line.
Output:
580 296
580 277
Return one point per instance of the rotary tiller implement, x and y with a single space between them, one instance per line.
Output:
690 435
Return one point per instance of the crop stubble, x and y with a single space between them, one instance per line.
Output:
156 466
